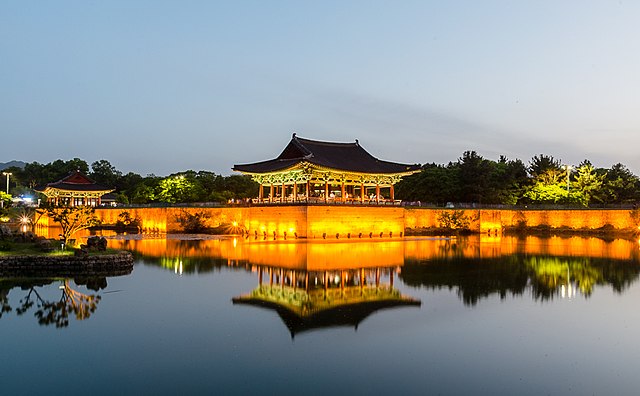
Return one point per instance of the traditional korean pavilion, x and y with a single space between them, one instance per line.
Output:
77 189
315 171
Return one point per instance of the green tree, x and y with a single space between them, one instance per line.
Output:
454 219
5 199
174 189
620 185
435 183
475 177
543 166
104 173
193 222
509 180
588 183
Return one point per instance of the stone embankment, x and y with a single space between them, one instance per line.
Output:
120 263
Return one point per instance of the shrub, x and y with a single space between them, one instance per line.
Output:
193 222
454 219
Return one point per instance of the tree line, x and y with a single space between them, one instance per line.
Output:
131 188
470 179
544 180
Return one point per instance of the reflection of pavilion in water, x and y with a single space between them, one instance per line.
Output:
313 298
476 267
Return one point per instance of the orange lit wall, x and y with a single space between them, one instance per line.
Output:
314 221
306 221
487 220
355 220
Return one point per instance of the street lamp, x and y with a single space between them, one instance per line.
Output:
7 174
569 167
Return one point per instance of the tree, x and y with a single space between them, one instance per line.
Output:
72 219
5 199
174 189
620 185
454 220
544 165
193 222
435 183
475 176
510 180
588 183
104 173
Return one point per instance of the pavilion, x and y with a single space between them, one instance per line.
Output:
315 171
77 189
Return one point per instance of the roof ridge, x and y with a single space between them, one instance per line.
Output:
324 142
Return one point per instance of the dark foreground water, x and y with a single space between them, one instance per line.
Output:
423 316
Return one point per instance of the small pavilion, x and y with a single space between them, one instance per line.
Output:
315 171
77 189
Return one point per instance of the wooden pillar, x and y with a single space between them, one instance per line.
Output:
260 276
377 193
307 191
260 193
270 276
295 191
306 281
342 192
391 277
362 192
326 191
282 197
271 192
392 193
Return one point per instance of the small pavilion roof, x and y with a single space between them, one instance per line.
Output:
75 181
340 156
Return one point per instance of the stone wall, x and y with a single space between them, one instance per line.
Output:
489 220
67 266
314 221
305 221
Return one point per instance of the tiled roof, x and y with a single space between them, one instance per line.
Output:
76 181
341 156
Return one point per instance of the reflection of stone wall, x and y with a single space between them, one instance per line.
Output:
488 247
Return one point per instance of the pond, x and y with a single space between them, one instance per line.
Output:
475 315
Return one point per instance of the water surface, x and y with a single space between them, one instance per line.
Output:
415 316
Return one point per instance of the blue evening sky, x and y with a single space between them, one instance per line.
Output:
165 86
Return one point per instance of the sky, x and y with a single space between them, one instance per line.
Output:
158 87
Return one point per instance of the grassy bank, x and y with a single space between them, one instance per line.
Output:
9 248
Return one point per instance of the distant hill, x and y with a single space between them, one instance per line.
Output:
5 165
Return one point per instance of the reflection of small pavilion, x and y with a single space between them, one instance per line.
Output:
311 299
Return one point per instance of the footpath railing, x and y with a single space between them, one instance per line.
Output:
385 202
